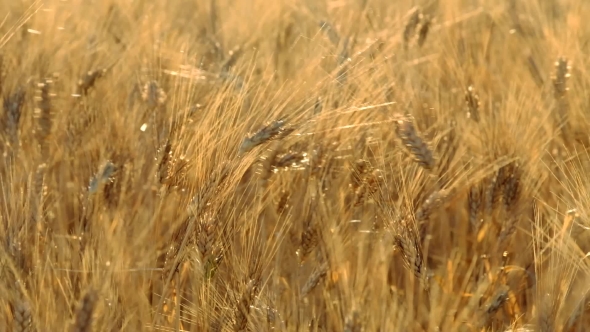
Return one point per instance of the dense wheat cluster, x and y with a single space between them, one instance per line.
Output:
307 165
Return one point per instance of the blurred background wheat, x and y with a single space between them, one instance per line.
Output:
354 165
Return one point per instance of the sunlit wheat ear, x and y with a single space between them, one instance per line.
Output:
365 180
153 95
209 247
472 101
13 110
318 274
369 187
244 304
22 318
412 141
83 319
267 133
88 81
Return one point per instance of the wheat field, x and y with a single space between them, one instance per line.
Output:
294 165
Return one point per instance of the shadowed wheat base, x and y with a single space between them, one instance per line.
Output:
305 165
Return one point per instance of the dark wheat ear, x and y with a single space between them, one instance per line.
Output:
153 95
330 32
407 241
412 141
494 304
233 56
425 23
318 106
577 312
267 133
83 318
43 114
22 318
87 81
411 25
314 279
103 176
562 75
560 89
13 110
352 322
474 201
432 202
